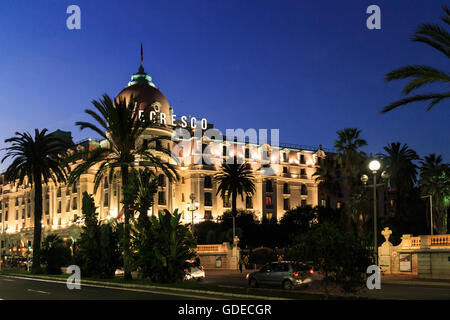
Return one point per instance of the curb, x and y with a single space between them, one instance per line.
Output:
417 282
139 286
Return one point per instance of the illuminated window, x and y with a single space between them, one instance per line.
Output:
226 201
269 202
338 205
208 215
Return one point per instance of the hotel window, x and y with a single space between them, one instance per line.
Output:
208 199
285 170
286 188
208 215
303 173
226 201
249 202
58 193
302 159
182 197
285 157
67 191
74 188
269 202
304 190
74 204
68 206
286 204
23 213
303 203
59 206
161 180
3 244
17 202
224 151
106 200
247 153
6 215
106 184
208 182
17 215
269 186
161 197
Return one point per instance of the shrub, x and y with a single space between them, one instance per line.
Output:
55 253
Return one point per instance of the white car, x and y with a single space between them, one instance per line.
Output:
193 270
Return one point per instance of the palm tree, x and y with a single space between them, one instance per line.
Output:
143 187
118 122
399 163
235 179
349 157
438 38
435 181
328 177
38 160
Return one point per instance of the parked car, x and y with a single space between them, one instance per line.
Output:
193 270
287 274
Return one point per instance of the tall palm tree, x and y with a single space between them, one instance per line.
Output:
235 179
143 187
399 163
118 122
38 159
435 181
349 156
328 177
438 38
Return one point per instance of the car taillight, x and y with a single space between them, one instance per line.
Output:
311 271
186 270
296 274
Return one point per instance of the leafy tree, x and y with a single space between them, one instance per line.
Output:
55 253
438 38
118 122
235 179
435 181
339 255
172 246
37 159
262 255
296 221
97 252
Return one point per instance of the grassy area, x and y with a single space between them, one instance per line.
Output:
190 285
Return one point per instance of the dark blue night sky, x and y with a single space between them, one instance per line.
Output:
309 68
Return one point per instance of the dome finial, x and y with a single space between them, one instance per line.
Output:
141 67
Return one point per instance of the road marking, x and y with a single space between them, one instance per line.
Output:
196 296
38 291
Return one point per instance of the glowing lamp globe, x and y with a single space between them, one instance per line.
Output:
374 165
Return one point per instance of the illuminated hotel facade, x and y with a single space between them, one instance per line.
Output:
283 179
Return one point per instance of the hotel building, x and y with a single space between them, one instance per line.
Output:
283 179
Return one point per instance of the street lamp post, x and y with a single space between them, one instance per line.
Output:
374 166
192 207
431 210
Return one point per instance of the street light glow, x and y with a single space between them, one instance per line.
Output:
374 165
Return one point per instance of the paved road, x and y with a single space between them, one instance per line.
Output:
412 289
19 288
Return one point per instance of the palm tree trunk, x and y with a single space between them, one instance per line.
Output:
37 222
234 211
126 234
